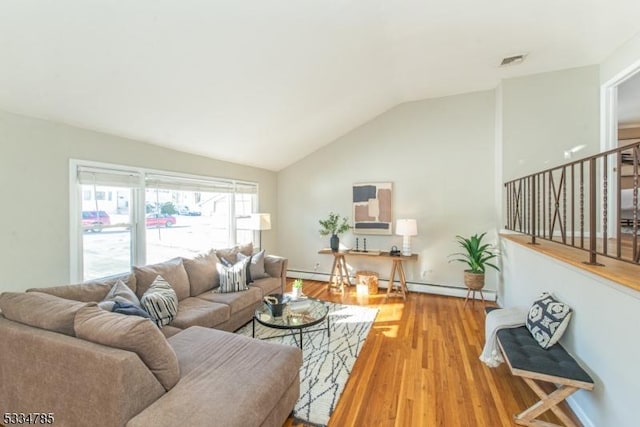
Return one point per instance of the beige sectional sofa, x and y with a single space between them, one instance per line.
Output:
64 355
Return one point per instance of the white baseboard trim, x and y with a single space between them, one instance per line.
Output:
577 409
426 288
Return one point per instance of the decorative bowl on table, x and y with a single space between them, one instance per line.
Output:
276 303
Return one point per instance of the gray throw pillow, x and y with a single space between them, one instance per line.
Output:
119 293
160 301
129 309
256 267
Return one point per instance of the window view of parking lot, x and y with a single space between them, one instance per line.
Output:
185 223
176 223
106 227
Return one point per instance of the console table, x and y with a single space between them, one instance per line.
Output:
339 270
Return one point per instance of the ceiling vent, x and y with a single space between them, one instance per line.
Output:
512 60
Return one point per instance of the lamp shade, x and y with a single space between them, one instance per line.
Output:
406 227
260 221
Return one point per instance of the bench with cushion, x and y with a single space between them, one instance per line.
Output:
533 363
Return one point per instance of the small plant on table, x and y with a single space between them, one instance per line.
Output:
297 288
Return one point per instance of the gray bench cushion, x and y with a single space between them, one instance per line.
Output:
525 354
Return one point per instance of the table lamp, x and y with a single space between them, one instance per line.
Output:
406 228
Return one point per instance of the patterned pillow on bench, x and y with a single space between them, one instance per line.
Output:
548 319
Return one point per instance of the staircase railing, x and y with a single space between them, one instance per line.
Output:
590 204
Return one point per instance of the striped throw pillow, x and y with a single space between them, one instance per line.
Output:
233 278
160 301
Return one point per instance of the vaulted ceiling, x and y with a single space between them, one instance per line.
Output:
267 82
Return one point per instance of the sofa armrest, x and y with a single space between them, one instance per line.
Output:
276 266
99 385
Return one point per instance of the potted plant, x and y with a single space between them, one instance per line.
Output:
334 226
477 256
296 289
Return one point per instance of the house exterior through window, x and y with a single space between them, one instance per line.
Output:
124 216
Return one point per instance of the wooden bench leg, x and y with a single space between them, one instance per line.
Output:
546 402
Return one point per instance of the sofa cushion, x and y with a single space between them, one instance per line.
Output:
169 331
90 291
198 312
119 293
270 285
233 278
249 374
41 310
130 333
236 301
231 254
172 271
202 273
275 266
160 301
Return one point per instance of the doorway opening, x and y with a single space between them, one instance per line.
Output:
620 114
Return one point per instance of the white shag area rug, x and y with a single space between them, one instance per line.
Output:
327 361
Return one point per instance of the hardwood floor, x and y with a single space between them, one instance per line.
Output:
419 367
621 272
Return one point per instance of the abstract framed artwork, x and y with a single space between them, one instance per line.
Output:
372 208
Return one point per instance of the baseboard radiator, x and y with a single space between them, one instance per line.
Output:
426 288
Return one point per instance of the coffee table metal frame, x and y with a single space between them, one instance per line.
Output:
281 324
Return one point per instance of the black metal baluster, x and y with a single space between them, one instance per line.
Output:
605 208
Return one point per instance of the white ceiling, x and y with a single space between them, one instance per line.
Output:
267 82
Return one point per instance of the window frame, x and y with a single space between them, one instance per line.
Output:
137 209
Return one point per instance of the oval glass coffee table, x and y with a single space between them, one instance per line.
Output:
297 317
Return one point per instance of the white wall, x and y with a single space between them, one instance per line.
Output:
626 56
602 334
439 156
34 177
545 114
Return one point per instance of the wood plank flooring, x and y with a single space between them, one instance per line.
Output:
419 367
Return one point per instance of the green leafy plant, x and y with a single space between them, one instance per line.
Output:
334 225
297 284
477 255
168 208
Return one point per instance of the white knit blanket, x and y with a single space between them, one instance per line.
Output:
496 320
